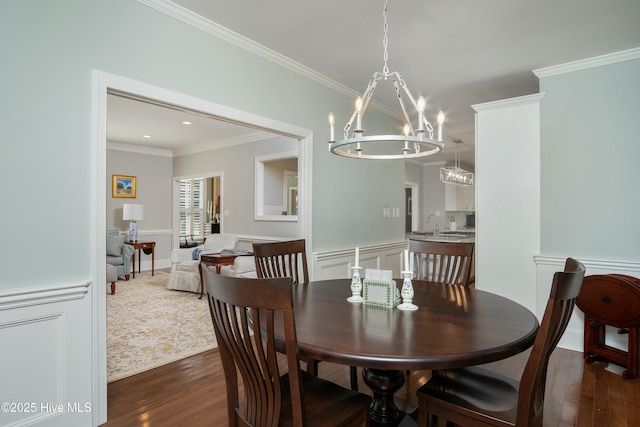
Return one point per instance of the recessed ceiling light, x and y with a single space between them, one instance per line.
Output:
146 136
186 123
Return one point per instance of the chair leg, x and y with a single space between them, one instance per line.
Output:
113 288
353 371
126 277
312 367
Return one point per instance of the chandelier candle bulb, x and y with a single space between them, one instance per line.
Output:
332 122
406 143
440 122
357 262
420 108
358 114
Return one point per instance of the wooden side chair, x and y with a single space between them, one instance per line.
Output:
244 312
611 300
478 397
289 259
282 259
443 262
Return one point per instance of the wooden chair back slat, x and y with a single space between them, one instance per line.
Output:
443 262
282 259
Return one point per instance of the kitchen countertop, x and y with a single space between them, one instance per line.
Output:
452 236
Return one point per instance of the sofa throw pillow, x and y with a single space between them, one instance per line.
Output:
196 253
114 245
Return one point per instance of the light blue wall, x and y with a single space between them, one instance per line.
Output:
590 156
49 50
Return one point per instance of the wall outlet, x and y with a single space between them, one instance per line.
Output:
386 212
396 212
226 212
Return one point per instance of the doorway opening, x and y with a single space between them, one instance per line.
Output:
104 84
411 205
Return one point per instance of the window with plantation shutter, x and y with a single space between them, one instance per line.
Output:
192 207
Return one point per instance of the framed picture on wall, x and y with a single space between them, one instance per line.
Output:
123 186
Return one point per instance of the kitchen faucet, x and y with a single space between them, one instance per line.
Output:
437 229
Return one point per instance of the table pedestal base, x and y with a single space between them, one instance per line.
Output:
383 383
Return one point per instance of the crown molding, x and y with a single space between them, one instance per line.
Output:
509 102
182 14
222 143
199 148
121 146
598 61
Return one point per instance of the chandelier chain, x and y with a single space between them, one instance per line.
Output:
385 40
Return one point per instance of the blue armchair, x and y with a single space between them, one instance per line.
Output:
119 253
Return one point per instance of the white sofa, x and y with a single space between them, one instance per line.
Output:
243 266
185 275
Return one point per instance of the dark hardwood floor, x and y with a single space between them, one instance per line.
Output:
191 392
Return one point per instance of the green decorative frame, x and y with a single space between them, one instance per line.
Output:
373 299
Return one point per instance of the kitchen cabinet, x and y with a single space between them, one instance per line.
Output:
459 198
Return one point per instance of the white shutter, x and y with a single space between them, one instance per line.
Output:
192 207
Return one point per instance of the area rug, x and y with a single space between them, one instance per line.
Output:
149 325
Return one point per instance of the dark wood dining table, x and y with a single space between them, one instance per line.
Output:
453 327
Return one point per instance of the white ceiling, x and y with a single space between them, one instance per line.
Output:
456 54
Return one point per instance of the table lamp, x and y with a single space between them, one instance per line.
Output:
133 213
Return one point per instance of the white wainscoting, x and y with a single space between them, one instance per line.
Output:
46 357
336 264
573 337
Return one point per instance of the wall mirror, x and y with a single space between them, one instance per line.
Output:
276 187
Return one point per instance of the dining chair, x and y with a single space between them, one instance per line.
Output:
289 259
477 397
443 262
244 312
282 259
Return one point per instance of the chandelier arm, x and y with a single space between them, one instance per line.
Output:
366 97
427 125
404 110
347 127
368 93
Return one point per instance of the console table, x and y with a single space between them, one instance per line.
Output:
148 248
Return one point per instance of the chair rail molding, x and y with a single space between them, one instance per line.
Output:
44 295
334 264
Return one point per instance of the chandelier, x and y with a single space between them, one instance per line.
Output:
413 142
455 174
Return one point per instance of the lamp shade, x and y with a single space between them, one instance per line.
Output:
132 212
